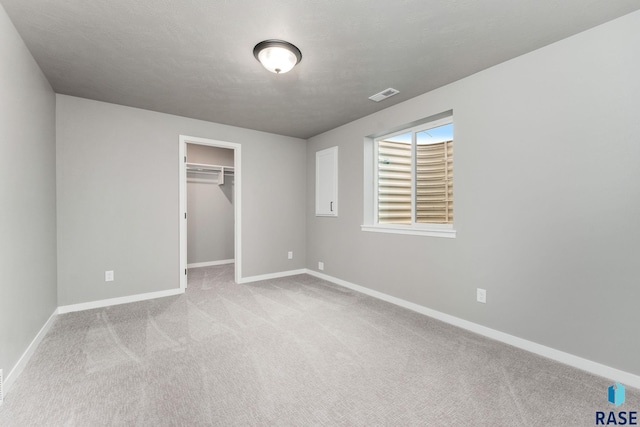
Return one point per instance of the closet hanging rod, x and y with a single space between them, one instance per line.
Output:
201 172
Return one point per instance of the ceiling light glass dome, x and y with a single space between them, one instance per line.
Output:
277 56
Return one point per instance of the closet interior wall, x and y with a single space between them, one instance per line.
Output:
210 220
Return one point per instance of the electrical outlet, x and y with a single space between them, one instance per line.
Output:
108 276
481 295
290 254
320 265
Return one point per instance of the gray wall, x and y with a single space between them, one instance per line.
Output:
547 200
118 200
210 224
27 195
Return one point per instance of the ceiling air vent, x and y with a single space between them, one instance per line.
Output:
384 94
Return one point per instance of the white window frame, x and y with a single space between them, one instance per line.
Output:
371 187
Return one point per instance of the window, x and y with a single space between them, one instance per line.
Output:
413 180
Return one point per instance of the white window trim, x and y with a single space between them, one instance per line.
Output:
431 230
371 189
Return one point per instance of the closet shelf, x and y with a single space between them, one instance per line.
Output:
204 168
218 172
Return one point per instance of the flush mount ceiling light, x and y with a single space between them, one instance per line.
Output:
277 56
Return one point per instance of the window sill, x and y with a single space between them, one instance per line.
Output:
399 229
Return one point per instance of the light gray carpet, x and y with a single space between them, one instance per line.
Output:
294 351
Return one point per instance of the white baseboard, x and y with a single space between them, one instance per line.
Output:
26 356
116 301
273 275
210 263
596 368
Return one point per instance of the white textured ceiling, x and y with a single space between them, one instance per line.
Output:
194 58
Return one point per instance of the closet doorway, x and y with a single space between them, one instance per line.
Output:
210 204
